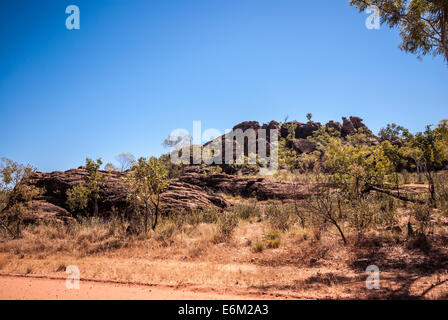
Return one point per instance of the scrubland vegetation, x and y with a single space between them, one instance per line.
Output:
382 204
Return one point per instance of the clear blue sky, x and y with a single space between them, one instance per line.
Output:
136 70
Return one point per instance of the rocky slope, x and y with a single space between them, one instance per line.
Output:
194 189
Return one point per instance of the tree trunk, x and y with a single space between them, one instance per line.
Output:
340 231
156 213
95 207
432 190
147 214
370 187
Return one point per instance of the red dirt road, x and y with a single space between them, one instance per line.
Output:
28 288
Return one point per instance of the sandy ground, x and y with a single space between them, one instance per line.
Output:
28 288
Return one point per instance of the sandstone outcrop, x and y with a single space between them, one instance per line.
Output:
195 189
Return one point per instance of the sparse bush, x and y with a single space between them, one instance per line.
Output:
258 247
165 232
422 214
325 208
245 211
227 223
273 239
419 241
279 216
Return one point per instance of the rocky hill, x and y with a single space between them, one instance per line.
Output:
196 187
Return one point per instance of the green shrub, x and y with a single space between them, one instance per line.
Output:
78 198
273 239
258 247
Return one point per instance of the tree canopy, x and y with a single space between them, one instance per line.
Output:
423 24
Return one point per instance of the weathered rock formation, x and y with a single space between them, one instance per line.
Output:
257 187
194 189
301 145
179 196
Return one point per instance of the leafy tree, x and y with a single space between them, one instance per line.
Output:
79 195
14 192
148 179
423 24
392 132
354 167
94 181
309 116
78 198
429 150
126 160
393 153
287 158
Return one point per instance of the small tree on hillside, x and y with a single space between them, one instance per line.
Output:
126 160
309 116
14 192
94 181
79 196
148 179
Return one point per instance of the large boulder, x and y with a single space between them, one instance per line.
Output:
42 210
305 130
301 145
302 130
347 127
353 124
247 125
333 125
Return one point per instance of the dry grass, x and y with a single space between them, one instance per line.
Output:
254 256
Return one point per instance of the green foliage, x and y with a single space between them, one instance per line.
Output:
273 239
429 151
15 191
392 132
309 116
423 24
354 166
287 158
258 247
78 198
174 170
148 179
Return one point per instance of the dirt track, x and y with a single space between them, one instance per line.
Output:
28 288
